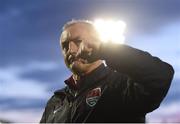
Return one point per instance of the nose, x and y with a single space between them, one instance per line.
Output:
73 48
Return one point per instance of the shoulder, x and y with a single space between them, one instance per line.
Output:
55 99
116 79
58 96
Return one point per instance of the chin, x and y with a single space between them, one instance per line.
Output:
78 68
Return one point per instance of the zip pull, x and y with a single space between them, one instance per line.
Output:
70 104
56 110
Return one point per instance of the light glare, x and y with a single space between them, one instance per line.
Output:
110 30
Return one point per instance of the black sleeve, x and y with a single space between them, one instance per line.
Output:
43 118
148 80
49 107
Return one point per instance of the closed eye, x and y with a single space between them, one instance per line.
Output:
65 45
78 41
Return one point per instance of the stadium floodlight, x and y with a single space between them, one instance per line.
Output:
110 30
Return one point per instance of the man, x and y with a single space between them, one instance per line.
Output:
132 84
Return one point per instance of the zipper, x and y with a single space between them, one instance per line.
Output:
70 111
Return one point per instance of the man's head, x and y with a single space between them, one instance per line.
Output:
75 35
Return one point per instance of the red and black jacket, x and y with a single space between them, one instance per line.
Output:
132 84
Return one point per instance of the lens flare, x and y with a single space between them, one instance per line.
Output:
110 30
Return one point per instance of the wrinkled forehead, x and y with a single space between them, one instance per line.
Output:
76 31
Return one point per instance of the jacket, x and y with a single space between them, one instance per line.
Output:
132 84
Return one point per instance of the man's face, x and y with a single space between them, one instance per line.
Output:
71 39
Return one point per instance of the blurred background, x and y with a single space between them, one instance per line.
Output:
31 64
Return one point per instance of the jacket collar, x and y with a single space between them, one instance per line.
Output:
88 80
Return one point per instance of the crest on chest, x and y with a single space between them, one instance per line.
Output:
93 96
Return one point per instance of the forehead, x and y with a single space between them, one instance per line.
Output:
75 31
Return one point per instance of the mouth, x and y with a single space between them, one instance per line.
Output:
72 59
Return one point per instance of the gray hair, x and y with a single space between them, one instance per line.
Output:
88 23
74 21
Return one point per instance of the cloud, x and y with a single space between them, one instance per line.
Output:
173 93
13 85
30 29
10 104
26 96
44 72
166 113
22 116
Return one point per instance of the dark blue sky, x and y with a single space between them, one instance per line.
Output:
34 24
31 64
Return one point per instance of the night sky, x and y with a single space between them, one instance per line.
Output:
31 63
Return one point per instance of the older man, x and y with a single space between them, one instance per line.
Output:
131 84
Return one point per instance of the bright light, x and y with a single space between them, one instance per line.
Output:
110 30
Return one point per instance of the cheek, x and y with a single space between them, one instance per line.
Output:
65 59
67 64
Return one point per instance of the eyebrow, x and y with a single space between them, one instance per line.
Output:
71 39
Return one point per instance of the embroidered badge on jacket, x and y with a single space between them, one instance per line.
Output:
93 96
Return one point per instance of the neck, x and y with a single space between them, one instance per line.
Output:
90 69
